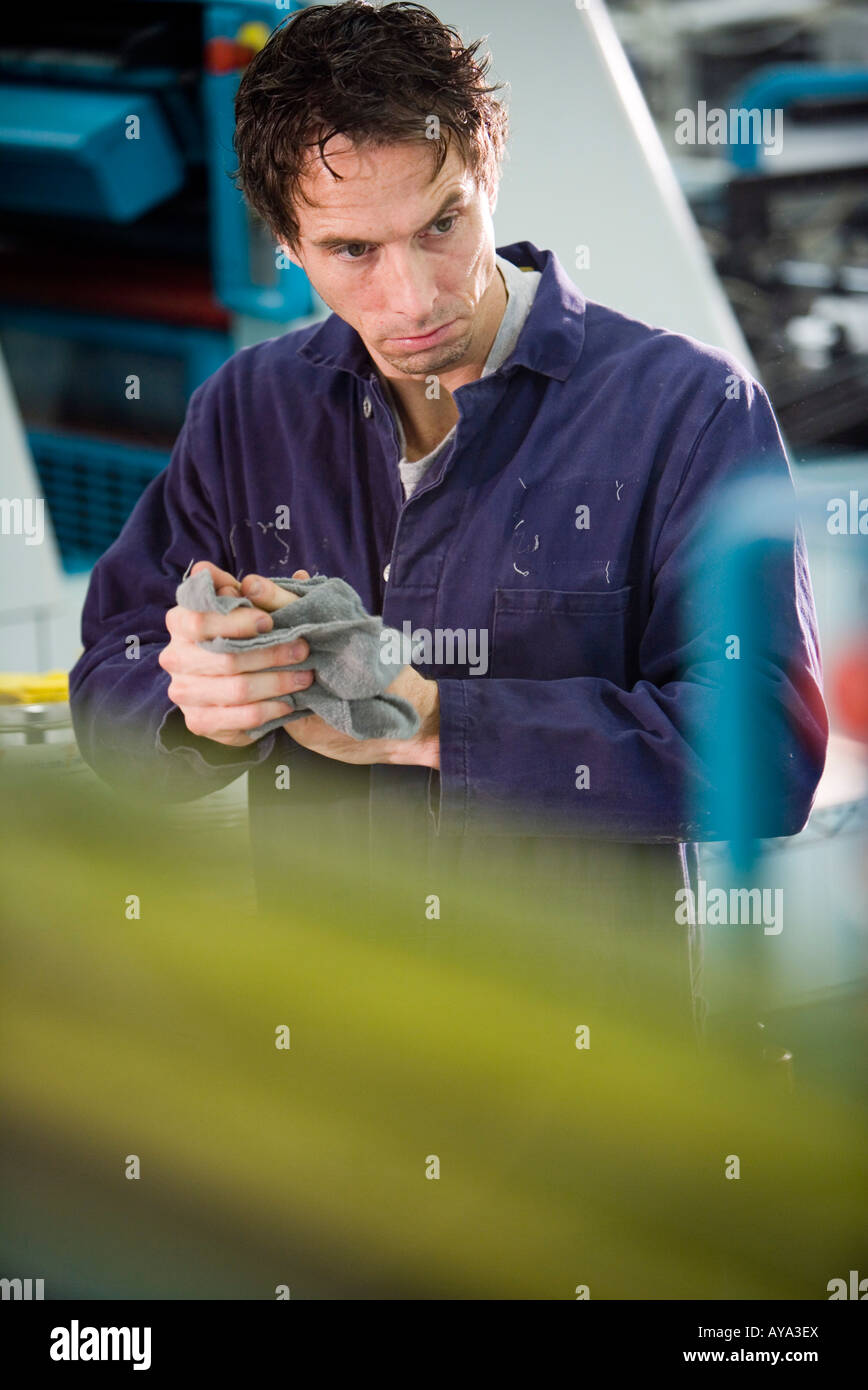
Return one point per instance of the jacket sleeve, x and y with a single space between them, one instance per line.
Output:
128 729
583 756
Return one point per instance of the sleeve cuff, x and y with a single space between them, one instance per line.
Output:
174 737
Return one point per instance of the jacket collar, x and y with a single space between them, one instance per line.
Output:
550 341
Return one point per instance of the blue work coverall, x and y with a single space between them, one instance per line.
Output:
561 519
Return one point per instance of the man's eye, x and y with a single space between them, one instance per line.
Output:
450 217
338 250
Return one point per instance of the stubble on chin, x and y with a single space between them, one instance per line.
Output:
432 361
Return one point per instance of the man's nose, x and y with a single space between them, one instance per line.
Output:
409 290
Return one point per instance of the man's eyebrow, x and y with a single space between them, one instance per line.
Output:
330 242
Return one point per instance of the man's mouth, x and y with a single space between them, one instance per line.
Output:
423 340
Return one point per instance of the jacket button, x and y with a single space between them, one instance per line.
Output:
367 408
386 572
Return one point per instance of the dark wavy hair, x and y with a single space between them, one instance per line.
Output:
375 74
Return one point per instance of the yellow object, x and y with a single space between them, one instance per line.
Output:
33 687
253 35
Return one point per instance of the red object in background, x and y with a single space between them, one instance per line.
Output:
162 291
850 691
226 55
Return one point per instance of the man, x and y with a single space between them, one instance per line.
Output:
477 449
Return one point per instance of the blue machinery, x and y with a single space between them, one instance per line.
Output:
124 123
750 533
793 91
805 975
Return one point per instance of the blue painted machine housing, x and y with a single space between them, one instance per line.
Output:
75 153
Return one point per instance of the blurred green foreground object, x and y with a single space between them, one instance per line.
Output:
481 1092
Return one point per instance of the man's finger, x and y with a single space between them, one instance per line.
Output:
196 626
212 721
266 594
193 660
222 578
228 692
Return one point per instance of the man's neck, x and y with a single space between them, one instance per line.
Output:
427 421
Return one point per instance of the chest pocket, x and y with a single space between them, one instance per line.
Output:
552 634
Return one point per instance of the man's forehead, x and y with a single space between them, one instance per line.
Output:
372 176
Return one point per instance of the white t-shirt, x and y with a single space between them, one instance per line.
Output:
521 286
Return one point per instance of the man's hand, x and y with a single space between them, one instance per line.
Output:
314 733
220 694
423 748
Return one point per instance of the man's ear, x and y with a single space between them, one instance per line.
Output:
290 255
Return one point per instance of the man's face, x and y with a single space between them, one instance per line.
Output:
397 256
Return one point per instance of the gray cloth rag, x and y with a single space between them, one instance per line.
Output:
346 654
